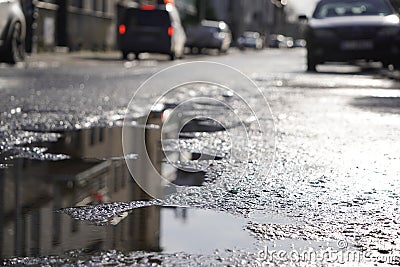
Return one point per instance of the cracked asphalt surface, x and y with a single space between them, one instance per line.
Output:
333 186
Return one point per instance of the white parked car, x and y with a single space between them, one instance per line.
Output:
12 32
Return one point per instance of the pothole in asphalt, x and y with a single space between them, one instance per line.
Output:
96 183
93 171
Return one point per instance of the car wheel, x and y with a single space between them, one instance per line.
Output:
125 55
180 52
385 64
15 46
196 50
222 50
396 65
311 62
172 56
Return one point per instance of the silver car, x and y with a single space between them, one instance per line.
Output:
209 34
12 32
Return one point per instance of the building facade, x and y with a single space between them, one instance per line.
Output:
73 24
264 16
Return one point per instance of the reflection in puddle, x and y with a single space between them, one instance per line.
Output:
33 191
201 231
31 226
153 229
39 198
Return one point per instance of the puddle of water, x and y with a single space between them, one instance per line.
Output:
202 231
98 168
94 171
41 232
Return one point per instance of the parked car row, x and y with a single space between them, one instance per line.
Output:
338 31
250 40
158 29
281 41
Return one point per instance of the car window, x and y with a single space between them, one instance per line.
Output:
155 18
327 9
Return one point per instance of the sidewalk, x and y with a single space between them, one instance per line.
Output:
111 55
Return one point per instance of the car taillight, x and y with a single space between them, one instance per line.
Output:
147 7
122 29
169 2
170 31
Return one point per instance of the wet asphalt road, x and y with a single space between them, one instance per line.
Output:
334 183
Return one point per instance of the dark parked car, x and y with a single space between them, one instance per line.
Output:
209 34
251 40
12 32
347 30
152 29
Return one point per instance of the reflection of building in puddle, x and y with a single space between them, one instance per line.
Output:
31 192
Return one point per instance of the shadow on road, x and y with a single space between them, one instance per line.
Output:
351 69
116 57
100 58
378 104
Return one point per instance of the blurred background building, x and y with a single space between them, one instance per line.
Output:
75 24
90 24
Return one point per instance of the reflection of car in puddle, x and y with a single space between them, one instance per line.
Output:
32 191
